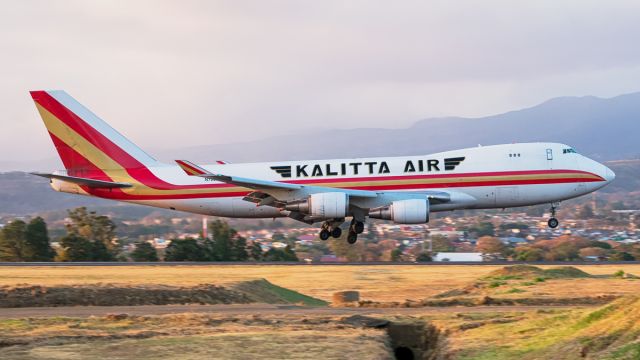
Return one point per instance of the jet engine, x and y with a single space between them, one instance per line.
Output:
327 205
411 211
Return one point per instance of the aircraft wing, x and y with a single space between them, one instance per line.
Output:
262 185
84 181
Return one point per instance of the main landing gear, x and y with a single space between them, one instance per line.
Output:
356 227
332 229
553 222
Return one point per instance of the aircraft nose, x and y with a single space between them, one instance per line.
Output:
609 175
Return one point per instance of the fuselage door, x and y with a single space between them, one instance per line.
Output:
550 158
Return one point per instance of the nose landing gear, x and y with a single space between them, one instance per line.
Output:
553 222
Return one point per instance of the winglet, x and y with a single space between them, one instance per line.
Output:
192 169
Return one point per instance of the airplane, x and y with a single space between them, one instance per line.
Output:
101 162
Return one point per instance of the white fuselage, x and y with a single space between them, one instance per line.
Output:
498 176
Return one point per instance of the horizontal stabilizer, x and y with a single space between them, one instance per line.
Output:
84 181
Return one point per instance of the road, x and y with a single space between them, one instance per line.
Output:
249 309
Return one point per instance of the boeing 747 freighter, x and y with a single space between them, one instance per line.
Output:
101 162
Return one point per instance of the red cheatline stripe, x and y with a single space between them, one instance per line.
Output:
443 176
416 187
104 193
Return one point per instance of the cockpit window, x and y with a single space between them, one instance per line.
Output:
569 151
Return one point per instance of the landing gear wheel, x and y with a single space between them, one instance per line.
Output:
553 223
352 238
324 234
358 227
336 232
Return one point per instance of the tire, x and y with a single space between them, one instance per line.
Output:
553 223
352 238
358 227
324 234
336 232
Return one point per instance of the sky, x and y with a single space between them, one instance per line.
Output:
173 74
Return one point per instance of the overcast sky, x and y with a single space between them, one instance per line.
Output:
170 74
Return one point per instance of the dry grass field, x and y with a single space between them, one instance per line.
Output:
607 331
379 283
188 336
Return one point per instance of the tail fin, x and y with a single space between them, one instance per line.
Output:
86 144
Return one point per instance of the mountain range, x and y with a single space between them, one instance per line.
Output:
604 129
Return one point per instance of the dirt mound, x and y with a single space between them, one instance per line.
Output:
516 271
566 272
255 291
263 291
519 272
113 295
518 284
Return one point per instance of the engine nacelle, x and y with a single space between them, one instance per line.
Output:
412 211
324 205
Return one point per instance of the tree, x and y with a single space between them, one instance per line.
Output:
13 242
75 248
144 252
565 251
600 244
278 236
527 253
289 254
255 251
37 238
286 254
441 243
239 249
225 244
341 248
97 229
483 229
221 234
424 257
184 250
621 256
396 254
491 245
